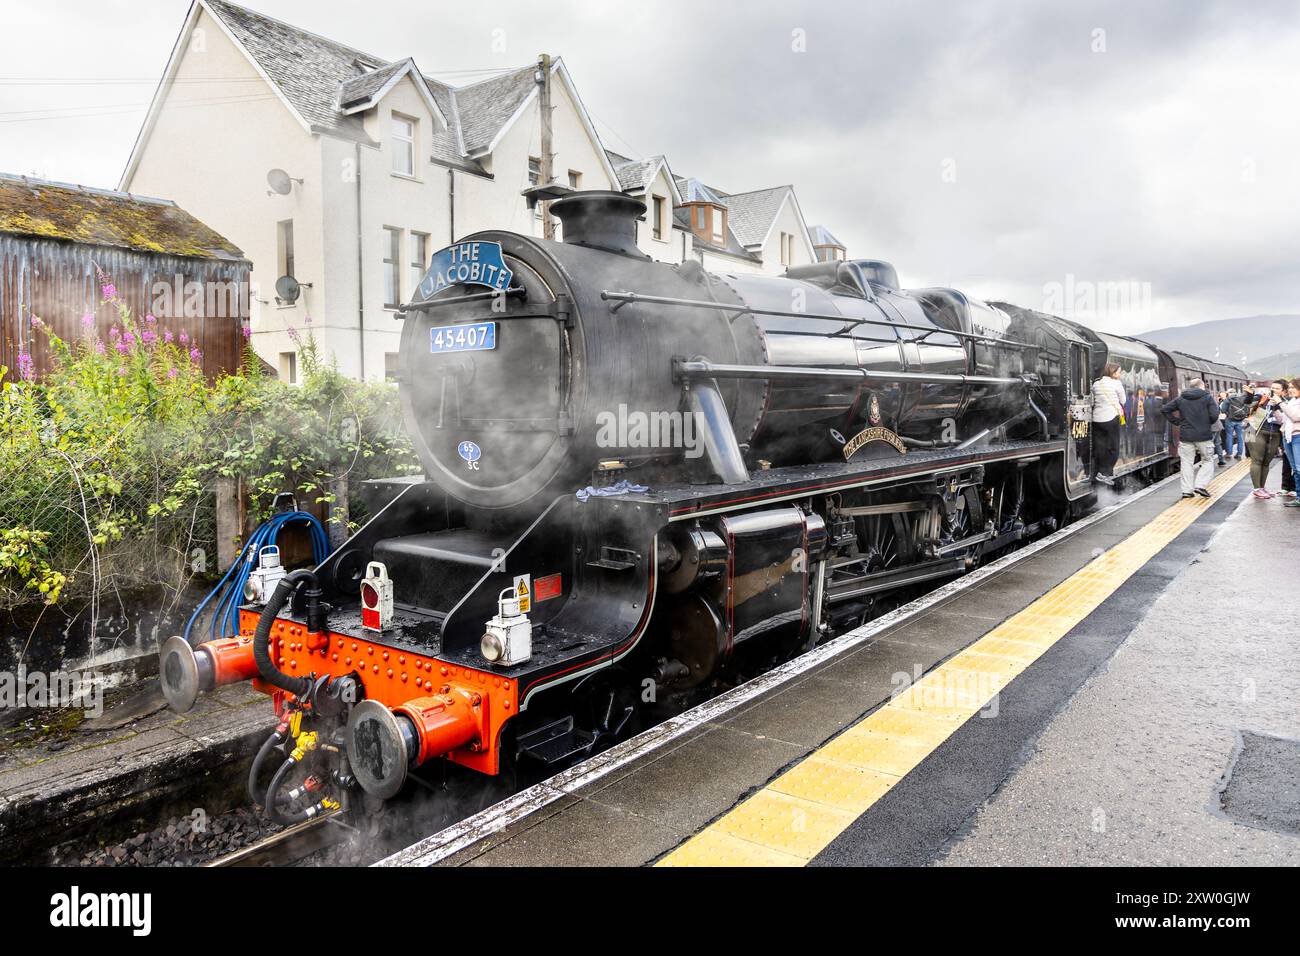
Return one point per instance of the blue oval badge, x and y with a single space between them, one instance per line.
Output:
469 451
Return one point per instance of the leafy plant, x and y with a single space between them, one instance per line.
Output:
107 466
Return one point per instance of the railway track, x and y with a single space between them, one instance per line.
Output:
289 845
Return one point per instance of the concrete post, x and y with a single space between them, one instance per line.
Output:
229 523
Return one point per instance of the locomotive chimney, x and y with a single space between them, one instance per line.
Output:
601 219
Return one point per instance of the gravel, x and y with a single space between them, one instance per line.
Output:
180 841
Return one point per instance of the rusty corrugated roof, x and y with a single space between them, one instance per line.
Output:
101 217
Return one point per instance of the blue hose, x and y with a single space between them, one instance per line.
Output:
229 592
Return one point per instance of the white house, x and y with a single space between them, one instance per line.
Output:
379 165
385 166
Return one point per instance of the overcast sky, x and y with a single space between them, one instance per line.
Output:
1024 151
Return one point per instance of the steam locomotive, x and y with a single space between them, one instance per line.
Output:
643 482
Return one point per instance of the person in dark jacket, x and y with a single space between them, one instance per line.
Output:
1196 412
1237 410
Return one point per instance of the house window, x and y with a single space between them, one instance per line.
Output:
392 268
284 247
787 248
403 145
390 366
659 217
575 179
719 226
419 258
289 368
534 179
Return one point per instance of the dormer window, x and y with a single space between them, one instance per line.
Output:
403 144
709 222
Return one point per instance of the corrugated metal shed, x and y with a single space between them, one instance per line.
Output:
54 235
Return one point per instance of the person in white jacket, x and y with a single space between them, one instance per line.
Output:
1288 416
1108 402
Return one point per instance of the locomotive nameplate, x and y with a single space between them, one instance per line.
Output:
475 337
868 435
466 263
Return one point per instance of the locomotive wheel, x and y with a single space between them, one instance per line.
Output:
880 540
605 705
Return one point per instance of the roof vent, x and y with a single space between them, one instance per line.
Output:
601 219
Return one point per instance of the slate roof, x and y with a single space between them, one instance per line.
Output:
485 107
316 74
103 217
637 175
750 215
363 87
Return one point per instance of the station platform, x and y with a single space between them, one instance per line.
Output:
1067 703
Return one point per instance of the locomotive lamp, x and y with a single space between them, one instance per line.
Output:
269 571
376 597
509 636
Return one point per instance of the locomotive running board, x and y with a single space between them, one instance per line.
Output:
683 502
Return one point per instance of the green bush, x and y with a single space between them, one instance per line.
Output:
107 466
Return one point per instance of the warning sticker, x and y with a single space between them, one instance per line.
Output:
547 588
523 591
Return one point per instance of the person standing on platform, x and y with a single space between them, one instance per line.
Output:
1236 411
1196 412
1268 437
1108 400
1289 416
1218 428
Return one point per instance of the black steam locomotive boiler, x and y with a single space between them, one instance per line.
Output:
643 482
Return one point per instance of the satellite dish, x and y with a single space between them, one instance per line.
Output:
280 182
287 289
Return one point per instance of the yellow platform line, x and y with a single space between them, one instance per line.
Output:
798 814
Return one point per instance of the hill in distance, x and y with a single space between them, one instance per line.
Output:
1256 343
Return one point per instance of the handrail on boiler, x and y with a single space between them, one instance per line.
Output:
621 299
704 369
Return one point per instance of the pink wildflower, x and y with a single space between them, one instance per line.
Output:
122 348
150 319
149 337
99 347
88 320
184 338
128 338
168 337
114 332
26 367
247 330
109 290
196 355
172 373
37 323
